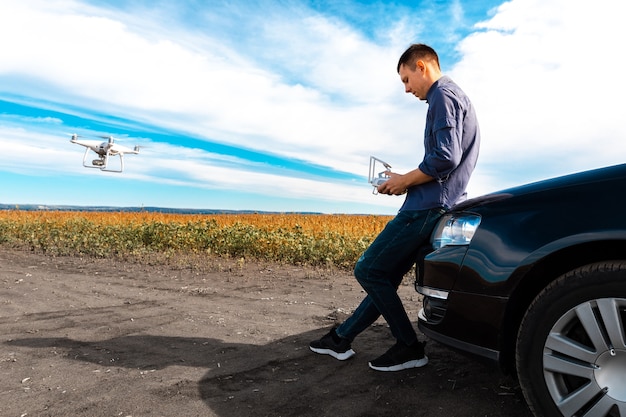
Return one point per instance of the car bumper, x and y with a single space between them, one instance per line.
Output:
466 320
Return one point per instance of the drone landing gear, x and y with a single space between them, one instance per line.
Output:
102 162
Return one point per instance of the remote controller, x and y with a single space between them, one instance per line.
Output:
379 179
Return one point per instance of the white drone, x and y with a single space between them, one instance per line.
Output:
103 150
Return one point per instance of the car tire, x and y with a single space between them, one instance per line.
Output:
571 345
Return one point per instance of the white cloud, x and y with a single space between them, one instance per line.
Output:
33 153
82 58
542 75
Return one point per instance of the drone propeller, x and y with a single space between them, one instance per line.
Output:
74 136
108 138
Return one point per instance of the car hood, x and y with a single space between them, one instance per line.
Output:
571 180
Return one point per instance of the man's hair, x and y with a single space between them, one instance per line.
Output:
416 52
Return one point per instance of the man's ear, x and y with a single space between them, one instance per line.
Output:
420 66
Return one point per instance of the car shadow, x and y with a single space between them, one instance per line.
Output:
284 378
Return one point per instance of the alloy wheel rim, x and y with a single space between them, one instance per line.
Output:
584 359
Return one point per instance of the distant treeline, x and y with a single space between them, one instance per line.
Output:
42 207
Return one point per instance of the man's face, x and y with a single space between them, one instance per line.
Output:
414 80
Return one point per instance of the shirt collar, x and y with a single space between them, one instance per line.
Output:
442 80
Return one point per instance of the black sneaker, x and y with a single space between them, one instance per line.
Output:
399 357
333 345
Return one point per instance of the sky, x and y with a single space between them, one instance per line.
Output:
278 105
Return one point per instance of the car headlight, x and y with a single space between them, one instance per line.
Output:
455 229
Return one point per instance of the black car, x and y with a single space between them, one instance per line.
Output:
534 278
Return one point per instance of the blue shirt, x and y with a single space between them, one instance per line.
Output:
451 144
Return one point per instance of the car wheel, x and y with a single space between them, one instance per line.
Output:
571 345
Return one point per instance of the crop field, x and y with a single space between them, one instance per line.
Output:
300 239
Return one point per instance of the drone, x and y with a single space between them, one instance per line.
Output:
103 150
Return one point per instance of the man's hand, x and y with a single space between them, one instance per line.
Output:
395 185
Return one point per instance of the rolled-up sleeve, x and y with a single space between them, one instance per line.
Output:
443 148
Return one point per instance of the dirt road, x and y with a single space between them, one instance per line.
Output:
85 337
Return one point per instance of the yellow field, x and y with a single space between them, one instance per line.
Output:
289 238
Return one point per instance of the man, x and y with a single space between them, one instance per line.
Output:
451 144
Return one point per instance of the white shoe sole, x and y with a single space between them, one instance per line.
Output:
418 363
339 356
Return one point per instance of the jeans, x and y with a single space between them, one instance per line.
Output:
380 271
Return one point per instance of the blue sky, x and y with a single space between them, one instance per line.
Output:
277 105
